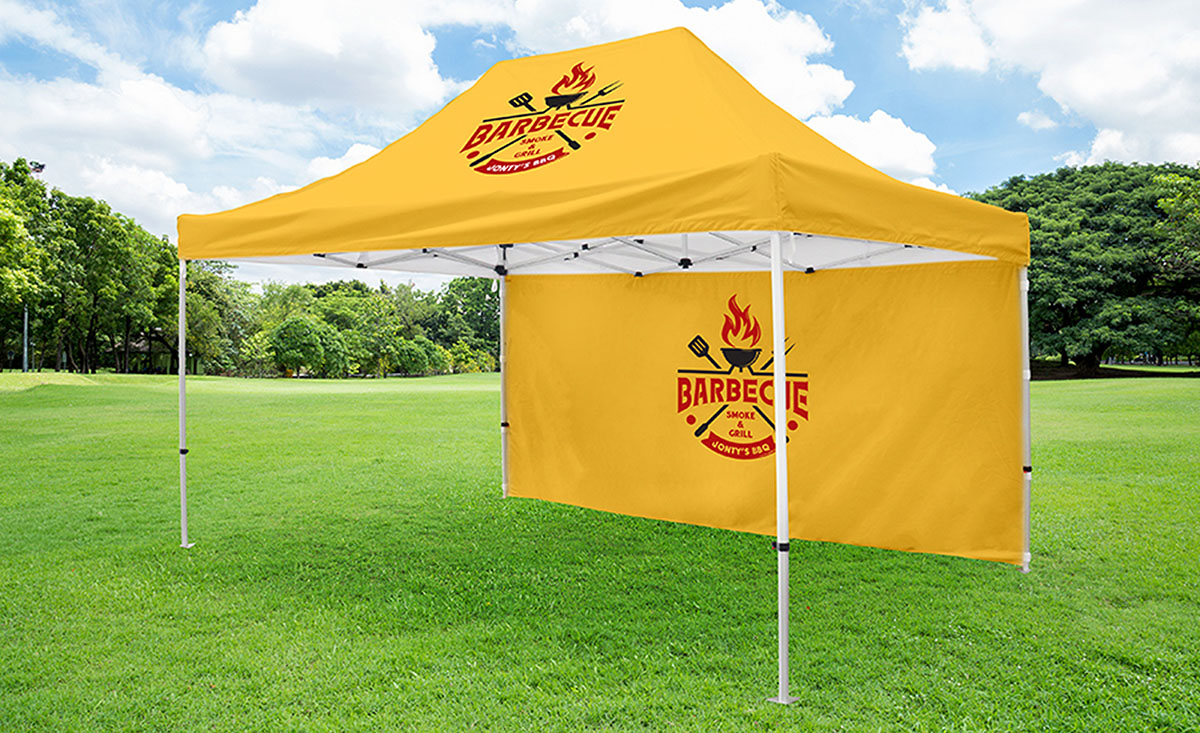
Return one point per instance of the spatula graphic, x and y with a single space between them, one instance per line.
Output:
699 347
523 100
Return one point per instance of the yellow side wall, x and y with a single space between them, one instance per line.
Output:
912 438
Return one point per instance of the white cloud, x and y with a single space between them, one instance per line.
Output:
883 142
44 27
373 55
130 137
319 53
300 78
777 62
155 198
1071 157
324 167
1131 69
948 37
129 140
1036 120
927 183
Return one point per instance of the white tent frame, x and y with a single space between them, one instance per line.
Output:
640 256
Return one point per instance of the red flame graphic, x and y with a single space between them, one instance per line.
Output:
579 80
742 326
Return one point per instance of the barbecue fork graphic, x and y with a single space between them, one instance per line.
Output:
704 425
771 361
606 90
523 100
480 159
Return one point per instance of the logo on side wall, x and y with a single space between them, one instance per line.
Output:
730 406
574 113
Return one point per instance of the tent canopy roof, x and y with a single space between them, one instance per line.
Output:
623 146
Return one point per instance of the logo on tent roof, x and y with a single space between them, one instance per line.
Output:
536 136
726 405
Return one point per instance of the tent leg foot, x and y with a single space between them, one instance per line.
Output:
188 546
782 700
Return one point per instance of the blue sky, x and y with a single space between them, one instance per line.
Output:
164 108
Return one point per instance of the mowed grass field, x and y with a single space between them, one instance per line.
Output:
356 568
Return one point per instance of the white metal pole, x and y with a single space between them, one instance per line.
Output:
503 373
25 341
1026 439
781 467
183 528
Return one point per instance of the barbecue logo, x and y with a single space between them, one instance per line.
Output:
535 136
728 403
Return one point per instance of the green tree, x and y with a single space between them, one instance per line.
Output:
104 293
1181 205
344 306
132 296
415 310
410 358
106 288
255 358
467 309
280 302
219 315
21 266
91 257
1100 278
335 361
23 256
468 359
437 358
296 343
20 259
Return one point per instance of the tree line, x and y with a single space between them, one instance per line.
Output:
102 293
1115 274
1115 271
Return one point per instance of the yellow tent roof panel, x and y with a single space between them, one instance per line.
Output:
650 135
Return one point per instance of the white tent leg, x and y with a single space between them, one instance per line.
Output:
781 468
1026 439
503 389
25 342
183 532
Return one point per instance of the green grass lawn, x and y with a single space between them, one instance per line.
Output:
356 568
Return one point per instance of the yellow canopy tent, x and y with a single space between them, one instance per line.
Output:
643 208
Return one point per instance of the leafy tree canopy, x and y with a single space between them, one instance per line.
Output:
296 343
1181 205
1106 277
102 292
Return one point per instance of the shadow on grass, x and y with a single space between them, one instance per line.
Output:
1041 371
